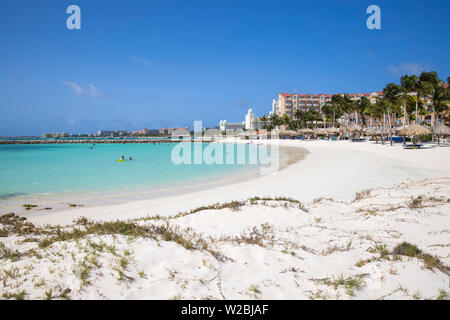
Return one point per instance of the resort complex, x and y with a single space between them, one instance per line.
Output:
420 99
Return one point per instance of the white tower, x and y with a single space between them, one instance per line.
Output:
250 120
274 107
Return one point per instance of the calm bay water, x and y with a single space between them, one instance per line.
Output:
61 168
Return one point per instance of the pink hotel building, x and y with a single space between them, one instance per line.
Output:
289 103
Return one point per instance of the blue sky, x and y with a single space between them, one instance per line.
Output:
137 64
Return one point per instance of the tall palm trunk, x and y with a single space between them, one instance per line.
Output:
389 125
433 123
405 115
417 107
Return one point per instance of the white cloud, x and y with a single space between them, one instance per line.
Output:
141 60
75 88
91 90
406 67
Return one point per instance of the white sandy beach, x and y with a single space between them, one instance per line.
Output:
330 245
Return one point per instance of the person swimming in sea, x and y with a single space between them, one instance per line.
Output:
131 158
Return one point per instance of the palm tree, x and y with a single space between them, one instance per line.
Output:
336 102
418 87
300 119
409 103
347 107
328 112
264 120
408 84
440 99
391 94
431 83
285 120
275 120
361 107
378 111
312 116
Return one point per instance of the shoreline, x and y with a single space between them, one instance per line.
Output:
58 202
92 141
332 169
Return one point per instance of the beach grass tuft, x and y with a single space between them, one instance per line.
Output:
350 284
362 195
430 262
6 253
28 207
416 203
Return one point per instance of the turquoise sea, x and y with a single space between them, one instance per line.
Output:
43 169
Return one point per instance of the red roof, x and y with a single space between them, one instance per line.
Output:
304 95
445 85
329 96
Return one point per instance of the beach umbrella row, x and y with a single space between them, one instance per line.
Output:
319 131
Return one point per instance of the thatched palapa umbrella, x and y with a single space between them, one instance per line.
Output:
369 132
379 131
332 130
320 132
305 131
414 130
291 133
355 128
441 130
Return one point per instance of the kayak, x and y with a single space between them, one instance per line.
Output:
120 160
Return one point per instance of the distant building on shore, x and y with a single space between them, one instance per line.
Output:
251 122
55 135
81 135
168 131
113 133
145 132
225 125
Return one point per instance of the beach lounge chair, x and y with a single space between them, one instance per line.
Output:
412 146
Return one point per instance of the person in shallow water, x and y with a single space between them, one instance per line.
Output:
122 158
131 158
